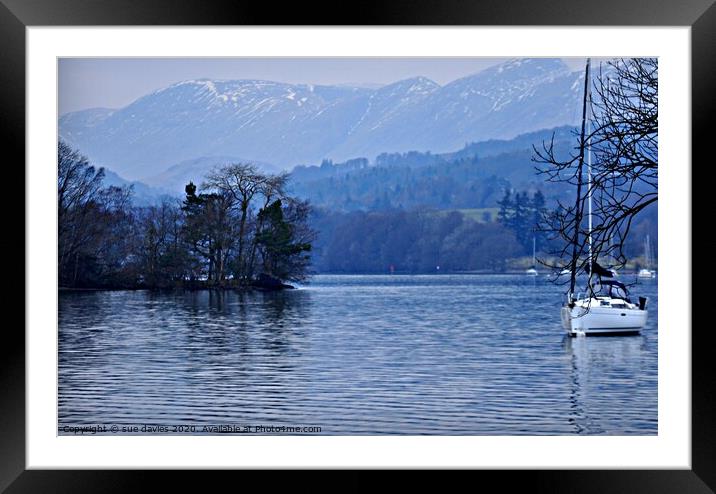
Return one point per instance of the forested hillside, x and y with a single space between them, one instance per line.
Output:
474 177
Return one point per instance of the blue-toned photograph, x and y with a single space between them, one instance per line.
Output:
357 246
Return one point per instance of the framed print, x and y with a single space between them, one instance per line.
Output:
433 180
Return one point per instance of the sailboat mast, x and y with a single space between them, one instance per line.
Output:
589 167
577 204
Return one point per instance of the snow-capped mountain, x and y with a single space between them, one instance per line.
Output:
288 124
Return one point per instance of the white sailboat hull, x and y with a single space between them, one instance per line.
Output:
596 320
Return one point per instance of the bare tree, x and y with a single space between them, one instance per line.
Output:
241 182
94 223
79 185
162 259
623 139
251 191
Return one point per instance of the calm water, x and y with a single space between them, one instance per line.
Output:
464 354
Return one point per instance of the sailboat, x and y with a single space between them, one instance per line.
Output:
533 271
605 308
646 272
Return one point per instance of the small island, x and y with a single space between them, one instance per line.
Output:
242 231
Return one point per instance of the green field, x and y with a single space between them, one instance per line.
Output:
481 215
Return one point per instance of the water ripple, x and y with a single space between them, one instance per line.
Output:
355 355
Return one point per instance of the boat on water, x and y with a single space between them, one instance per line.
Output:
608 310
646 272
605 307
533 270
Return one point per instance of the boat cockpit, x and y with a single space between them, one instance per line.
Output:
612 289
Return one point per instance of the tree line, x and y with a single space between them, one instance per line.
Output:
454 185
238 228
439 241
474 177
397 241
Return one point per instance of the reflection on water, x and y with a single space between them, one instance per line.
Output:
598 364
354 355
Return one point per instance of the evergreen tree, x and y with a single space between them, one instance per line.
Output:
210 232
522 221
283 254
506 213
539 209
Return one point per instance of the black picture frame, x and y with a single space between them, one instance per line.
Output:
16 15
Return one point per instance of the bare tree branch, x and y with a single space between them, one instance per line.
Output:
624 180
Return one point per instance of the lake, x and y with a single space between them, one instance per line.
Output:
352 355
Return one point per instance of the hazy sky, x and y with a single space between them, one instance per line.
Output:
116 82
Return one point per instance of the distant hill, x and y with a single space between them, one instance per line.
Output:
142 194
176 177
492 147
289 124
474 177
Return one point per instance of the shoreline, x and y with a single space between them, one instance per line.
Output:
283 287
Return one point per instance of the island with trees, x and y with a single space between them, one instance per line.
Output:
239 230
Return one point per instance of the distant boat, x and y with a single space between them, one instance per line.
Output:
646 272
605 308
532 271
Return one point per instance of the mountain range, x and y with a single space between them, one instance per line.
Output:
178 130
